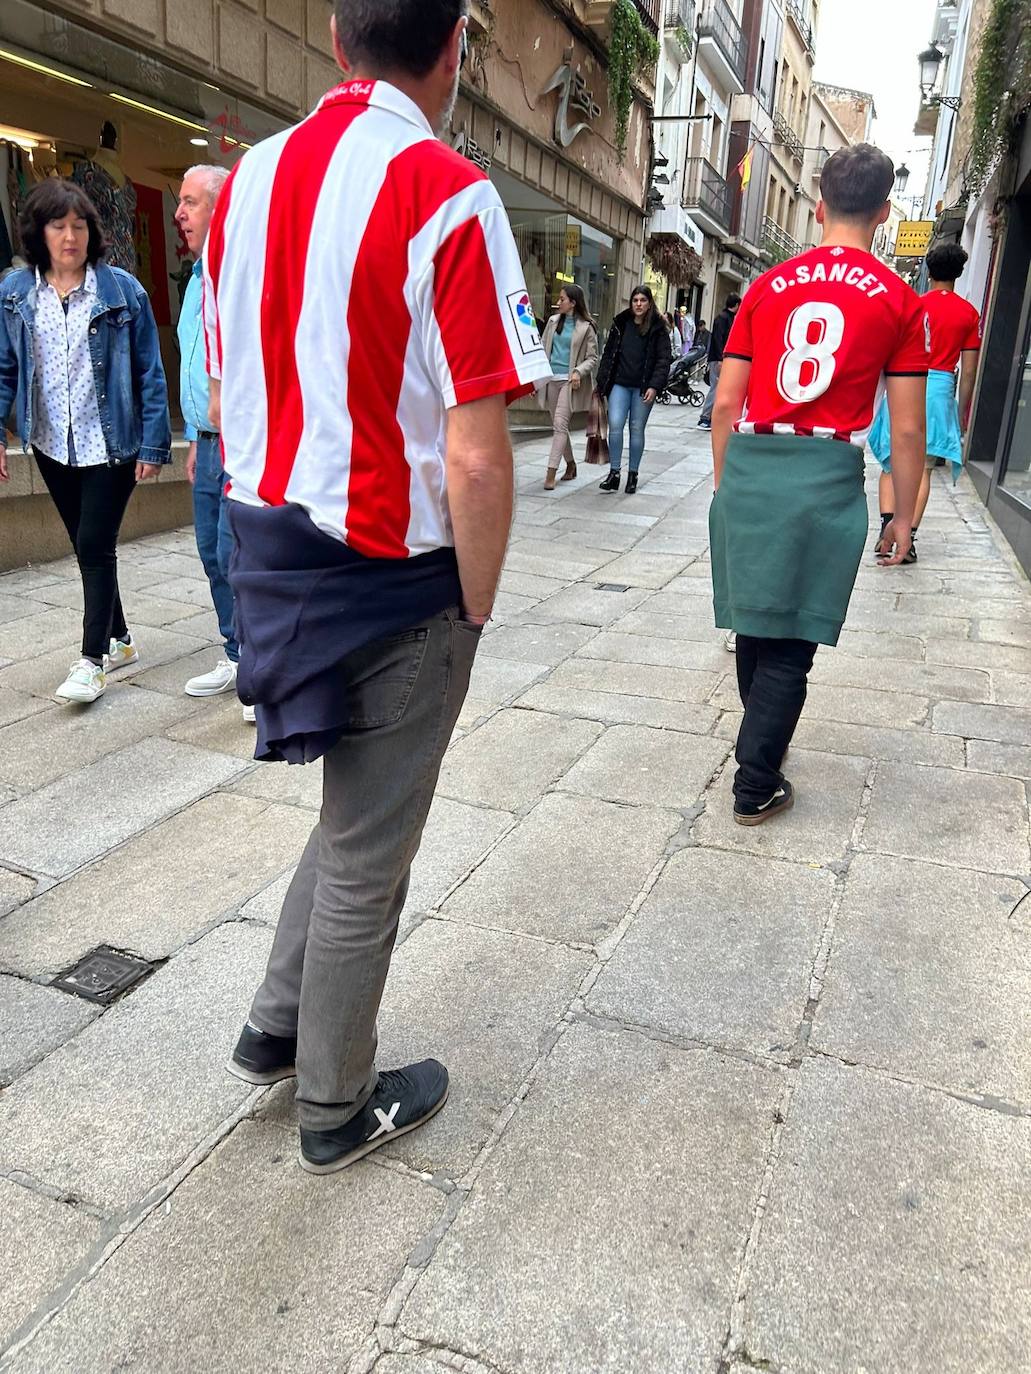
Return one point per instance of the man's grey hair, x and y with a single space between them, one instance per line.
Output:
214 178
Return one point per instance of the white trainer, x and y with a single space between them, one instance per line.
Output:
122 654
85 682
730 642
222 678
248 715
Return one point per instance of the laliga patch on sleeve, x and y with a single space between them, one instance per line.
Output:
523 317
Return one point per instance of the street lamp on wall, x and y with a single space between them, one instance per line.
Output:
930 61
901 178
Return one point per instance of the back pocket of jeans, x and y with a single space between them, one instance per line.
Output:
380 678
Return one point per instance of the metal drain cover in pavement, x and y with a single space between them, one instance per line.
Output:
610 587
101 975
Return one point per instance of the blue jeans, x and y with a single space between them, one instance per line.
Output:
627 401
214 537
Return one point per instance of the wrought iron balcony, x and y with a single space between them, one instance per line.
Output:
778 245
651 12
721 39
786 135
679 24
798 14
707 197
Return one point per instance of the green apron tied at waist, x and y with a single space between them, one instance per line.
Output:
787 529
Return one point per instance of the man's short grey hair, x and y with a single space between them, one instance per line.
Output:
214 178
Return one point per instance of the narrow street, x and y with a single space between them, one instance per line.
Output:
723 1099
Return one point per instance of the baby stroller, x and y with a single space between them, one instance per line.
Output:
685 381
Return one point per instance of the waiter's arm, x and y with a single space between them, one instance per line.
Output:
729 407
907 408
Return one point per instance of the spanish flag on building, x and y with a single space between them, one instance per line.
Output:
744 167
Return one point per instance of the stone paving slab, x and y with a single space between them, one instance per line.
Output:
614 709
111 800
685 686
528 884
291 784
33 1021
143 1085
42 1240
877 1250
1003 724
738 937
621 1220
829 792
966 820
45 630
44 673
536 644
15 888
584 604
511 759
929 979
1011 759
1012 689
151 896
921 679
645 767
617 646
243 1298
1010 630
497 680
17 705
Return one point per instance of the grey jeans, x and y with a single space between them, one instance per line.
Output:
710 400
328 966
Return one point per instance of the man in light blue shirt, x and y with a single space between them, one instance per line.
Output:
197 197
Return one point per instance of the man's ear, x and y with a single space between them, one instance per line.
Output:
338 52
883 213
821 212
456 48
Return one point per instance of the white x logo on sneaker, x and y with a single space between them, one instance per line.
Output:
386 1121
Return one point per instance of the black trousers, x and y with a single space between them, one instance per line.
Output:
772 677
91 502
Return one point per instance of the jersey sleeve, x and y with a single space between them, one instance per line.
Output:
214 250
483 338
912 354
972 338
739 341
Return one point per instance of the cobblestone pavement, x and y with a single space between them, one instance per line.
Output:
724 1100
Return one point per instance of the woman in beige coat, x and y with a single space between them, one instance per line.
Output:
571 342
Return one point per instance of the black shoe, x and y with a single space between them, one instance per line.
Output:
631 483
404 1099
611 482
746 813
885 522
911 555
704 424
261 1058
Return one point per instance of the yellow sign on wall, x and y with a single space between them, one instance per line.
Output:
573 240
913 238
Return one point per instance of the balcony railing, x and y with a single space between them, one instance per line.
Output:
706 192
680 14
778 245
785 134
801 21
718 23
651 12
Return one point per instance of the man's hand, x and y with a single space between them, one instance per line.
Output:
649 396
574 381
145 471
191 462
5 476
897 536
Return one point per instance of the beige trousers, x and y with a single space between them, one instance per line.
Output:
561 407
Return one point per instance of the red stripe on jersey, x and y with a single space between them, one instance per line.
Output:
463 256
216 247
418 183
302 168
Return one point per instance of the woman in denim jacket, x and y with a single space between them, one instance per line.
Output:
79 359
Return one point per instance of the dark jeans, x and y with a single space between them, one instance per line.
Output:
772 677
214 537
91 502
336 932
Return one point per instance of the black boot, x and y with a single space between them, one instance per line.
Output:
631 483
611 482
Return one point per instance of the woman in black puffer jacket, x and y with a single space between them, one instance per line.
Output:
634 369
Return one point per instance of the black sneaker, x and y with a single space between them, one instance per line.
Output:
911 555
704 424
261 1058
611 482
885 522
783 799
404 1099
631 483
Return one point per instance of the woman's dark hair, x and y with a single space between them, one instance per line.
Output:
53 199
642 290
946 262
670 321
576 295
396 35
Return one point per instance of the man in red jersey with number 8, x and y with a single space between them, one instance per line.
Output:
816 343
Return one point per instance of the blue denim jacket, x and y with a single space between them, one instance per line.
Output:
127 371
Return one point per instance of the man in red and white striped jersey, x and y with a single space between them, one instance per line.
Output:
367 317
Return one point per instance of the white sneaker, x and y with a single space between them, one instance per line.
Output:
222 678
84 683
249 717
122 653
730 642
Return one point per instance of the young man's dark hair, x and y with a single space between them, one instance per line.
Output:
396 35
857 181
53 199
946 262
732 302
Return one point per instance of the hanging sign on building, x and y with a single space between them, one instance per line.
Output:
574 97
913 238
